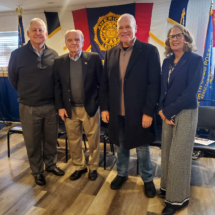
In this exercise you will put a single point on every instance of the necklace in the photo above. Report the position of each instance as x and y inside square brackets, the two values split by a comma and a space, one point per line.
[172, 66]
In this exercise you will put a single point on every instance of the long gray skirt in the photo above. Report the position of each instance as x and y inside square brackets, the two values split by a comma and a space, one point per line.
[176, 158]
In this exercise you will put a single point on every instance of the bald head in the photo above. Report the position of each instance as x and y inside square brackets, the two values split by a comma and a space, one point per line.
[127, 16]
[127, 29]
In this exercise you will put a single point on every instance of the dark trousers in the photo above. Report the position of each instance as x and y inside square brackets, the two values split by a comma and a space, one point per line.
[39, 126]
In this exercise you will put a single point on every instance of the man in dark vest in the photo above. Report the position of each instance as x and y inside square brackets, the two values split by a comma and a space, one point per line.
[128, 98]
[77, 81]
[31, 73]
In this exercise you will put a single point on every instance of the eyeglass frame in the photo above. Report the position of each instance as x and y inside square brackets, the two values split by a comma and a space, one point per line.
[178, 36]
[39, 65]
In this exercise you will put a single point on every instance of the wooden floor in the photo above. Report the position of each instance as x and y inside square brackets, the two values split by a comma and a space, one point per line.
[20, 195]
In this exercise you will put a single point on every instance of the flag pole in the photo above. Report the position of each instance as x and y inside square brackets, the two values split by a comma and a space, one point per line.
[19, 11]
[21, 41]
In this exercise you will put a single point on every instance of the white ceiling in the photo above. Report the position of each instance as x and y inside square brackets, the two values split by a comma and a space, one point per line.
[11, 5]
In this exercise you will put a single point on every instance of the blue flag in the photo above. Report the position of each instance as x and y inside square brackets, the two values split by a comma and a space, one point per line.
[21, 32]
[103, 26]
[53, 23]
[177, 12]
[206, 86]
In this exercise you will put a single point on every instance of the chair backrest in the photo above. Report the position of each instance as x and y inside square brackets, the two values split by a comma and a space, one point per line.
[206, 117]
[103, 124]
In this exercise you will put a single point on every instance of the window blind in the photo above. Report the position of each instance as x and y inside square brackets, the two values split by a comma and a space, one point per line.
[8, 43]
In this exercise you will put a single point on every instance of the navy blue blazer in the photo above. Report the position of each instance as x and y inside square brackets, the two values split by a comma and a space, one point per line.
[181, 91]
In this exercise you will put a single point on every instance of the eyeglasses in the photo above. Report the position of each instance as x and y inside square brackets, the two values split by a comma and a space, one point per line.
[178, 36]
[39, 65]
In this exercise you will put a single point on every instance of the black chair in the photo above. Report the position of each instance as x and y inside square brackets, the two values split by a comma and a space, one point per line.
[104, 139]
[206, 120]
[66, 144]
[12, 130]
[18, 129]
[84, 139]
[206, 117]
[61, 132]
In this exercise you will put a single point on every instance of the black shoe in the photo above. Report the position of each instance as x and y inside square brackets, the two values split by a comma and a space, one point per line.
[93, 175]
[77, 174]
[168, 211]
[162, 194]
[57, 171]
[150, 190]
[117, 182]
[40, 179]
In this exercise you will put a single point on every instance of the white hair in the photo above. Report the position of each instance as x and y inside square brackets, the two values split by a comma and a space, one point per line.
[39, 21]
[133, 21]
[75, 30]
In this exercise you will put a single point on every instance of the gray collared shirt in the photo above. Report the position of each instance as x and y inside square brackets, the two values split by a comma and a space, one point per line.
[76, 57]
[121, 46]
[36, 50]
[123, 63]
[76, 82]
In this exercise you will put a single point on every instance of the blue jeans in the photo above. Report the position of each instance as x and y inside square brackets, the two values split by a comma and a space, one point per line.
[143, 156]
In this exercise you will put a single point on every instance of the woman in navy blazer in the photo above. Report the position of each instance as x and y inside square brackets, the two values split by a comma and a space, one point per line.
[181, 76]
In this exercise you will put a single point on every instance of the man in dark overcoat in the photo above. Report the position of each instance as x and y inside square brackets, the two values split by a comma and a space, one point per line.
[129, 94]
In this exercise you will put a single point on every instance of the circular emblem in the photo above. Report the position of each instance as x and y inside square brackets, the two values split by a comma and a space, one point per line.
[105, 31]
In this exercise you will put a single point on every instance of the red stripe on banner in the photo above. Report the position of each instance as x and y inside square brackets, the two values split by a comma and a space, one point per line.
[143, 14]
[81, 23]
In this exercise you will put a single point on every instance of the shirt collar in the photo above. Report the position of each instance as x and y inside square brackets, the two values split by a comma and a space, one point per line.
[76, 57]
[36, 50]
[131, 46]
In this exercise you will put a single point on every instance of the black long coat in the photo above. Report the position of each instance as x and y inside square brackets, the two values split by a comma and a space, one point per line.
[141, 92]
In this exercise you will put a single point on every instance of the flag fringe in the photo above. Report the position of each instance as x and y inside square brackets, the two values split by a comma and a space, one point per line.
[155, 38]
[55, 31]
[172, 21]
[88, 49]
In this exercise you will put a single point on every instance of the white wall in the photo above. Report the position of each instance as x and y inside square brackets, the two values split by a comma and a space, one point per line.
[197, 22]
[9, 22]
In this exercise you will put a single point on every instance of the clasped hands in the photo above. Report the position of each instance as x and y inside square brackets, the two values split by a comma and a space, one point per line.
[169, 122]
[146, 120]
